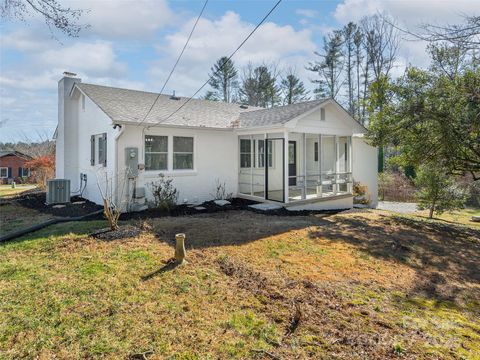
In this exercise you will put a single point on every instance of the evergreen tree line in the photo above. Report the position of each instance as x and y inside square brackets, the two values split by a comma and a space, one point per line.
[352, 58]
[263, 85]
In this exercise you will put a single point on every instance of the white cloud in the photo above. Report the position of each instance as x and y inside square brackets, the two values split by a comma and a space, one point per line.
[126, 18]
[97, 58]
[408, 14]
[215, 38]
[309, 13]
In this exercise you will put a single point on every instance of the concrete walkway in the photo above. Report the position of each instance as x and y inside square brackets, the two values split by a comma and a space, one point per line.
[400, 207]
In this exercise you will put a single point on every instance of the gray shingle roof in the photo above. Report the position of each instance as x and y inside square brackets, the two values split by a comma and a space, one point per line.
[132, 105]
[276, 115]
[126, 105]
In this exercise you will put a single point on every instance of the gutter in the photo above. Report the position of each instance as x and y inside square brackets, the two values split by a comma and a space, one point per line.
[33, 228]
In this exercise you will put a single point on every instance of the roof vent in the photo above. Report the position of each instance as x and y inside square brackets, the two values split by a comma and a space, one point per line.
[243, 106]
[173, 97]
[69, 74]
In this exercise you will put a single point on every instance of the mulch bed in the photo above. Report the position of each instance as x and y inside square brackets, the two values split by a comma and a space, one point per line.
[123, 232]
[211, 207]
[80, 207]
[37, 201]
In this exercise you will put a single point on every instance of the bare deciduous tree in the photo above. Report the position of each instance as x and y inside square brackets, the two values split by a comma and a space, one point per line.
[55, 15]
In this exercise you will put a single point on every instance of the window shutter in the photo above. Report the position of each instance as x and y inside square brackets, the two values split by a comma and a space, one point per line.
[104, 144]
[20, 172]
[92, 150]
[9, 172]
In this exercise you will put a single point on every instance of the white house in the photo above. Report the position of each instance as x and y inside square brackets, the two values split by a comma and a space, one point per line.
[304, 156]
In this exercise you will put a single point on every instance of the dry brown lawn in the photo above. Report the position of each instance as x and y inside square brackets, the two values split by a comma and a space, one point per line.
[366, 284]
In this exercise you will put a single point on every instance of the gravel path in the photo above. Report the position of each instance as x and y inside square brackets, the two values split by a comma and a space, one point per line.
[400, 207]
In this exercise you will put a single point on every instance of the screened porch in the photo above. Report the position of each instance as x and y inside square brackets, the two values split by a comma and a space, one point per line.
[294, 167]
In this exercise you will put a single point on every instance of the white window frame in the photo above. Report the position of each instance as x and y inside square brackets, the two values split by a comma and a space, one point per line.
[244, 153]
[170, 170]
[257, 153]
[6, 172]
[157, 152]
[183, 152]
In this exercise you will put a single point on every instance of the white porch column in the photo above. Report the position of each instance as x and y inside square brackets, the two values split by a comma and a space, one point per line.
[304, 190]
[285, 165]
[337, 165]
[350, 163]
[252, 159]
[320, 180]
[265, 163]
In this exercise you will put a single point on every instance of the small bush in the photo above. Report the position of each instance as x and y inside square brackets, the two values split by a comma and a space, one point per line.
[395, 186]
[221, 191]
[164, 193]
[361, 194]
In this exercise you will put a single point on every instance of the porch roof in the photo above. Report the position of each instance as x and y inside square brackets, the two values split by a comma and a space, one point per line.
[277, 115]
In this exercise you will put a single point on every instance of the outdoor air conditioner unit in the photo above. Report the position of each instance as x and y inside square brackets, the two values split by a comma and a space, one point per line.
[58, 191]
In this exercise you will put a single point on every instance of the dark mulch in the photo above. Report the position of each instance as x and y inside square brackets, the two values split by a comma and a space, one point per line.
[37, 201]
[123, 232]
[211, 207]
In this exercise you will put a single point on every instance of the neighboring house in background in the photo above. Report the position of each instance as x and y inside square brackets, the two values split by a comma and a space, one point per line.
[12, 166]
[304, 156]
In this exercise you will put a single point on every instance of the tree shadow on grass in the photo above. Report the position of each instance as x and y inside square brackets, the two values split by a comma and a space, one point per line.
[446, 258]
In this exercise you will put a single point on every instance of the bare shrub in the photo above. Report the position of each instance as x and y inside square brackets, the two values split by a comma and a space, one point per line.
[221, 191]
[164, 193]
[395, 186]
[112, 208]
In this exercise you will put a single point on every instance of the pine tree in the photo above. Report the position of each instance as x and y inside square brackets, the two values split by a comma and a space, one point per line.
[259, 86]
[293, 89]
[330, 67]
[224, 80]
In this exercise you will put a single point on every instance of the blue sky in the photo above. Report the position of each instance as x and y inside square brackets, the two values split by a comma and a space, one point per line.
[134, 43]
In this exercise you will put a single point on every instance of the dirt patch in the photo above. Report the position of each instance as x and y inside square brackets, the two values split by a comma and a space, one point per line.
[123, 232]
[37, 201]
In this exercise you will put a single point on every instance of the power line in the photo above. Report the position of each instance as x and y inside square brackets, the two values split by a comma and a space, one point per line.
[223, 64]
[176, 62]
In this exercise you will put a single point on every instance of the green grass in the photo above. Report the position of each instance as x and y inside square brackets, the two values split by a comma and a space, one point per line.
[65, 295]
[7, 190]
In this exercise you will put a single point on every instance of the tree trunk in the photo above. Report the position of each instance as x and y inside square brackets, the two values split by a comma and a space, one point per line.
[432, 208]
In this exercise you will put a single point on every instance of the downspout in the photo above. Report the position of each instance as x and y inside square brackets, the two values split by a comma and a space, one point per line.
[117, 165]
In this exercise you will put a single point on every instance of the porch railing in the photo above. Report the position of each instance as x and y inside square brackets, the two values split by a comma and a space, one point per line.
[320, 185]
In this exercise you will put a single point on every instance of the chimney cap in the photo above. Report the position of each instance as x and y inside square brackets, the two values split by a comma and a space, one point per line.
[69, 74]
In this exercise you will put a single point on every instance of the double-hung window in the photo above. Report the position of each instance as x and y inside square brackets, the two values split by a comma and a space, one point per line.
[156, 152]
[245, 153]
[182, 153]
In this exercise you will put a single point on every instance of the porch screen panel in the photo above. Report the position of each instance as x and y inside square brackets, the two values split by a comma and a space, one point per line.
[327, 154]
[343, 177]
[245, 166]
[276, 174]
[258, 165]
